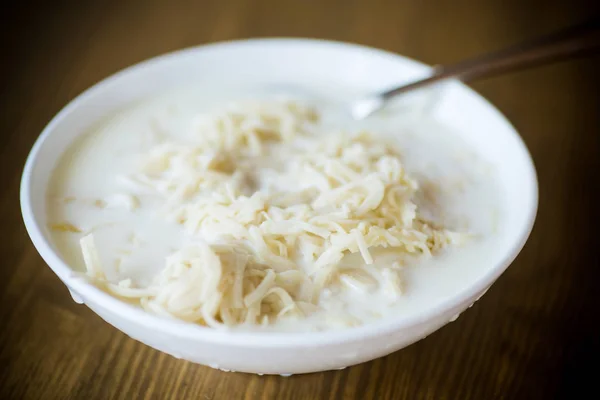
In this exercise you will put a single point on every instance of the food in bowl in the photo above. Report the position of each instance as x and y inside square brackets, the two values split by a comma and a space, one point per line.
[441, 152]
[269, 213]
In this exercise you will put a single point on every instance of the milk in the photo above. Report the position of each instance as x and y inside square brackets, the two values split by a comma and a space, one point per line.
[458, 191]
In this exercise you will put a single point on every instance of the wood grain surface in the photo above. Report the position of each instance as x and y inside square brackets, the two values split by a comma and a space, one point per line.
[534, 335]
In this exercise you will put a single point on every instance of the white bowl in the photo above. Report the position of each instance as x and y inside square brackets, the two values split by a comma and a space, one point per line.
[299, 61]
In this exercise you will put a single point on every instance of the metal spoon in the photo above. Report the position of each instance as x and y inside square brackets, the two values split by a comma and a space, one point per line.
[573, 42]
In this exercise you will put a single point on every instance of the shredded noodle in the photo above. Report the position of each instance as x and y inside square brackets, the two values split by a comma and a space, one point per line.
[274, 204]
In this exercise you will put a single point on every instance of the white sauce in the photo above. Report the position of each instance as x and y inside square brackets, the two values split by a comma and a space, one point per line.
[135, 244]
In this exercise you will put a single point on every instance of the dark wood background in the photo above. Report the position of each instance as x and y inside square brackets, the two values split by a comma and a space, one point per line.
[535, 335]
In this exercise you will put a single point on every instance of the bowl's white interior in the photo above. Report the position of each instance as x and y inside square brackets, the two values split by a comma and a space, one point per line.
[301, 62]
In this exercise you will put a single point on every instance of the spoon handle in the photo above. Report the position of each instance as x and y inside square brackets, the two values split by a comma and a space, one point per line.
[576, 41]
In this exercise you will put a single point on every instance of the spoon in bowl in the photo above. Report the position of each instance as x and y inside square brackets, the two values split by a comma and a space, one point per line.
[573, 42]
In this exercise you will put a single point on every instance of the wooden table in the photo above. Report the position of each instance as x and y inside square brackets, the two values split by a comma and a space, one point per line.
[530, 337]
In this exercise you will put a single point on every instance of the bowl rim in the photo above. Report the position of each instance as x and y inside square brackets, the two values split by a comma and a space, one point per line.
[270, 339]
